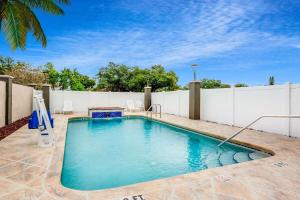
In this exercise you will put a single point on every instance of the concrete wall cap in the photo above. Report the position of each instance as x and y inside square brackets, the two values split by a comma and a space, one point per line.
[6, 76]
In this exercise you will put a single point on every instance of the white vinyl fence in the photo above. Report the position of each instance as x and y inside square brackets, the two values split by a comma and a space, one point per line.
[175, 102]
[240, 106]
[82, 100]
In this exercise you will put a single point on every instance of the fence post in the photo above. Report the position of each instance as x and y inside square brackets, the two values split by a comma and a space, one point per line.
[46, 95]
[33, 85]
[194, 100]
[8, 99]
[233, 105]
[289, 111]
[147, 97]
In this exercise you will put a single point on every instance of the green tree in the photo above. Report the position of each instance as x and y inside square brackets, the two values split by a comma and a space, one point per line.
[159, 79]
[116, 77]
[72, 79]
[211, 83]
[240, 85]
[64, 78]
[87, 82]
[17, 18]
[6, 63]
[271, 80]
[75, 81]
[24, 74]
[138, 79]
[53, 75]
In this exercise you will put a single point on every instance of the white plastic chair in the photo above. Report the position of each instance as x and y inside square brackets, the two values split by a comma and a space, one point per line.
[139, 105]
[68, 106]
[130, 106]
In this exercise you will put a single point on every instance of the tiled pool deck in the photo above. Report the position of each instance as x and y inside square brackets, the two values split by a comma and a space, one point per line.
[28, 172]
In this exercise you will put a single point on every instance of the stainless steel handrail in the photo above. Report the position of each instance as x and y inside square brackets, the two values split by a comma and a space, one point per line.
[154, 105]
[264, 116]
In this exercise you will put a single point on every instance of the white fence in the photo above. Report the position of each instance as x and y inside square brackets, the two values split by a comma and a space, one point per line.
[240, 106]
[232, 106]
[175, 102]
[83, 100]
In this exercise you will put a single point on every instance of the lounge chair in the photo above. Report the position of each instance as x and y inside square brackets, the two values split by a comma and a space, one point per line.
[139, 105]
[130, 106]
[68, 107]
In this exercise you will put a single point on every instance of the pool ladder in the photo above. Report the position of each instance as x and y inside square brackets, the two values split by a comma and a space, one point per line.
[253, 122]
[150, 109]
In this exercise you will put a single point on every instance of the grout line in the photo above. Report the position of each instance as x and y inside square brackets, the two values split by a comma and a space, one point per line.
[18, 161]
[19, 187]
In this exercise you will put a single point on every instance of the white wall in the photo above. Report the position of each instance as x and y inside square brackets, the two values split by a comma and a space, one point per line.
[295, 109]
[232, 106]
[84, 99]
[21, 101]
[240, 106]
[175, 102]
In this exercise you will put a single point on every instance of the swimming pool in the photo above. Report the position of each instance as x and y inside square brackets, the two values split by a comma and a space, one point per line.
[101, 153]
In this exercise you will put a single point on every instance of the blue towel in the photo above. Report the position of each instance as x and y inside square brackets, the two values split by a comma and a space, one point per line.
[33, 122]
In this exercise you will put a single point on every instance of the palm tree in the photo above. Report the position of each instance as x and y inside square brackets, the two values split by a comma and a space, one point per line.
[271, 80]
[17, 18]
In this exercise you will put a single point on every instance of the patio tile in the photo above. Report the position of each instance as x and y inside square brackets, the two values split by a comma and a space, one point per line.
[23, 194]
[27, 175]
[12, 169]
[7, 186]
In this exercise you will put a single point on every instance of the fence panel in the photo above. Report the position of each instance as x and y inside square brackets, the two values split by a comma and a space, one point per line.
[175, 102]
[295, 110]
[82, 100]
[253, 102]
[21, 101]
[217, 105]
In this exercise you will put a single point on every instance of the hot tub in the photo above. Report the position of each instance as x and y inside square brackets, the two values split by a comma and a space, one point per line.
[105, 112]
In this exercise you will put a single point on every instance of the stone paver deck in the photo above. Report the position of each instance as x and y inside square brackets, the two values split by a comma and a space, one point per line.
[28, 172]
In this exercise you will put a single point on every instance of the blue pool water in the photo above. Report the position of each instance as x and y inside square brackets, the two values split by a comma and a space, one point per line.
[103, 154]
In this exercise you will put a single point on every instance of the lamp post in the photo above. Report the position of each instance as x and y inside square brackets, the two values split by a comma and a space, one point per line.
[194, 67]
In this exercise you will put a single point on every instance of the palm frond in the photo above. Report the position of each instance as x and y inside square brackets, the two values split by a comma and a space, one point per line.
[13, 26]
[31, 23]
[64, 1]
[46, 5]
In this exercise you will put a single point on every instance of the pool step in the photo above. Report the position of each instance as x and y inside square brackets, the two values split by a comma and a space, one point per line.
[226, 158]
[241, 157]
[256, 155]
[213, 161]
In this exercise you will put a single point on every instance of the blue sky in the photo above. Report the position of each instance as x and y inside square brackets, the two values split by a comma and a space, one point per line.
[234, 41]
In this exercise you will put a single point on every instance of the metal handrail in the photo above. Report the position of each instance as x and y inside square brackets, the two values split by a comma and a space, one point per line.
[264, 116]
[154, 105]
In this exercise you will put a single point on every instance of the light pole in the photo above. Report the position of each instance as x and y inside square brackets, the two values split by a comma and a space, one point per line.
[194, 67]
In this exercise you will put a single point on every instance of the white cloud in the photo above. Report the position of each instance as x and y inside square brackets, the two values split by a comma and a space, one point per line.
[183, 32]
